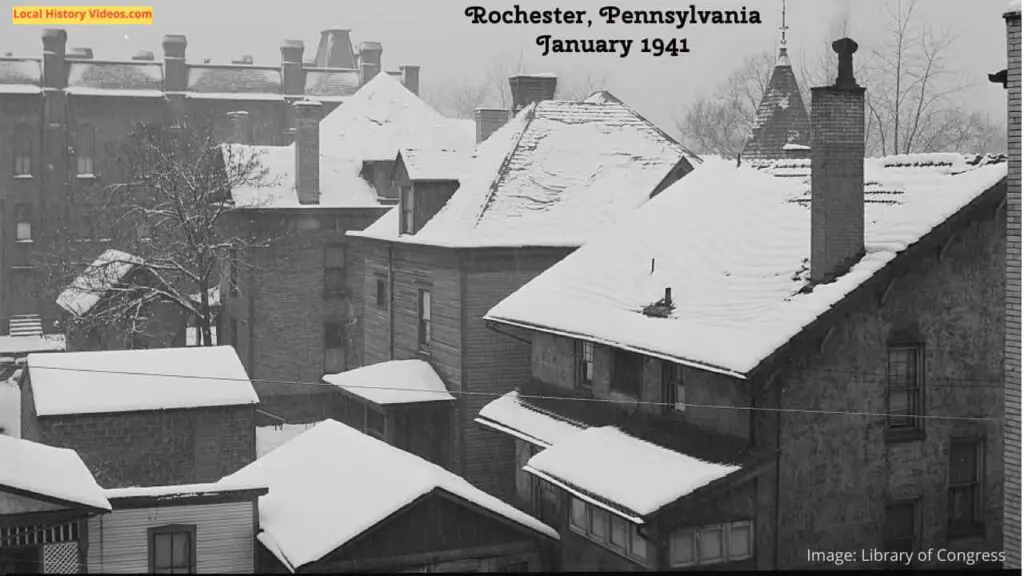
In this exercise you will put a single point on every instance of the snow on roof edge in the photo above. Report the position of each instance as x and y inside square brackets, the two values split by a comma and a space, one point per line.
[582, 495]
[268, 541]
[179, 490]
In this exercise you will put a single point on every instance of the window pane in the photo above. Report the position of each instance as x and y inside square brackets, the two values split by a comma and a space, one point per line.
[180, 551]
[618, 533]
[24, 231]
[710, 545]
[162, 550]
[681, 548]
[680, 402]
[579, 513]
[740, 541]
[426, 305]
[382, 293]
[598, 522]
[637, 544]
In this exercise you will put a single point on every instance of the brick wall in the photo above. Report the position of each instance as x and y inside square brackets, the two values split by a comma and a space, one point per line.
[156, 448]
[838, 470]
[1012, 449]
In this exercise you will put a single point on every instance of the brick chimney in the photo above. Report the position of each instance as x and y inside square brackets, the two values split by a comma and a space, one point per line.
[292, 77]
[335, 50]
[175, 69]
[530, 88]
[369, 60]
[307, 151]
[80, 53]
[55, 43]
[239, 121]
[837, 171]
[410, 78]
[488, 120]
[144, 56]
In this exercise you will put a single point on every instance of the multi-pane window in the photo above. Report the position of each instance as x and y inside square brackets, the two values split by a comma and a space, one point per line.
[172, 550]
[627, 373]
[408, 220]
[334, 269]
[382, 292]
[609, 530]
[374, 422]
[711, 544]
[23, 215]
[674, 388]
[22, 150]
[424, 319]
[901, 526]
[334, 347]
[905, 385]
[85, 150]
[966, 458]
[585, 364]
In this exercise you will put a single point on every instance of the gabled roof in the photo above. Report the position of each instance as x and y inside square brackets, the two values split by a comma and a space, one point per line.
[138, 380]
[393, 382]
[551, 176]
[99, 278]
[269, 438]
[332, 484]
[733, 244]
[53, 473]
[384, 116]
[781, 116]
[433, 163]
[636, 477]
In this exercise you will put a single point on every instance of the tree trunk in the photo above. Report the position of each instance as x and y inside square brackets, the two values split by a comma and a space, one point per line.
[203, 322]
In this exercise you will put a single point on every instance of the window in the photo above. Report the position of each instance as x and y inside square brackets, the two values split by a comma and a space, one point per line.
[905, 406]
[674, 388]
[85, 150]
[711, 544]
[382, 292]
[585, 364]
[233, 275]
[374, 422]
[627, 373]
[901, 527]
[334, 270]
[966, 457]
[545, 501]
[424, 320]
[172, 550]
[609, 530]
[23, 214]
[334, 347]
[408, 222]
[22, 150]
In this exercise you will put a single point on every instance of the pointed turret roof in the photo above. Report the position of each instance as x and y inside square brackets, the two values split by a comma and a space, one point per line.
[782, 128]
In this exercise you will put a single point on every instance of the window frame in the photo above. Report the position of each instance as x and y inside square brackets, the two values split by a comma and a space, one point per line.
[618, 358]
[915, 393]
[976, 525]
[171, 529]
[85, 149]
[632, 533]
[583, 350]
[340, 332]
[330, 289]
[672, 383]
[915, 514]
[408, 207]
[381, 297]
[424, 309]
[22, 158]
[694, 533]
[23, 214]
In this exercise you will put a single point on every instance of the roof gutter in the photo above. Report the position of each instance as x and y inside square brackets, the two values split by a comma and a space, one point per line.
[589, 499]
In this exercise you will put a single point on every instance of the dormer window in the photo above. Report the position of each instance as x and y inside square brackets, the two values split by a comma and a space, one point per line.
[407, 207]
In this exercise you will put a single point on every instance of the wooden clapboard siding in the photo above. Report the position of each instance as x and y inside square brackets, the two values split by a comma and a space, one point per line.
[376, 323]
[225, 537]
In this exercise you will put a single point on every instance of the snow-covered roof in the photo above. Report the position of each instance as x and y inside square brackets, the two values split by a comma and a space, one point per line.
[10, 408]
[551, 176]
[340, 183]
[136, 380]
[632, 474]
[29, 344]
[433, 163]
[733, 245]
[332, 483]
[180, 490]
[269, 438]
[515, 416]
[384, 116]
[393, 382]
[48, 471]
[106, 272]
[1013, 7]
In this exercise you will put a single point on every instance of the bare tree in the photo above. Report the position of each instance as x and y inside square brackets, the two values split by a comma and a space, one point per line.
[164, 227]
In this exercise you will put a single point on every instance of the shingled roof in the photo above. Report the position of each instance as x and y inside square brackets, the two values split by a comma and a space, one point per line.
[20, 76]
[782, 128]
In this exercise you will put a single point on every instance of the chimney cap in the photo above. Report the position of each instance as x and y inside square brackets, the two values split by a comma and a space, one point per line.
[370, 45]
[82, 52]
[307, 106]
[292, 43]
[55, 33]
[245, 59]
[338, 29]
[237, 114]
[174, 40]
[845, 48]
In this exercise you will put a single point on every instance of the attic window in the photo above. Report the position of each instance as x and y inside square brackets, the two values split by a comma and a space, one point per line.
[662, 308]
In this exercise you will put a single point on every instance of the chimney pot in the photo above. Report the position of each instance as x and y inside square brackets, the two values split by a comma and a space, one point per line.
[668, 295]
[307, 151]
[144, 56]
[291, 51]
[845, 48]
[239, 121]
[529, 88]
[488, 121]
[411, 78]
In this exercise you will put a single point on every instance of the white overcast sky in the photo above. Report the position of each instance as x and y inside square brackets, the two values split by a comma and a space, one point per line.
[436, 35]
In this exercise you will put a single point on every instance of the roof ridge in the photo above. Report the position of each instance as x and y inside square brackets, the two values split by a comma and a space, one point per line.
[492, 192]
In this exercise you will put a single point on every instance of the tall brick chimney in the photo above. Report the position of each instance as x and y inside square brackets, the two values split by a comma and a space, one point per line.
[175, 69]
[55, 43]
[369, 60]
[530, 88]
[488, 120]
[410, 78]
[292, 77]
[307, 151]
[239, 122]
[837, 171]
[335, 50]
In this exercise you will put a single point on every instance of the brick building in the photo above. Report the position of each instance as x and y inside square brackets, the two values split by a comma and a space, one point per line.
[530, 194]
[144, 417]
[826, 346]
[292, 309]
[59, 115]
